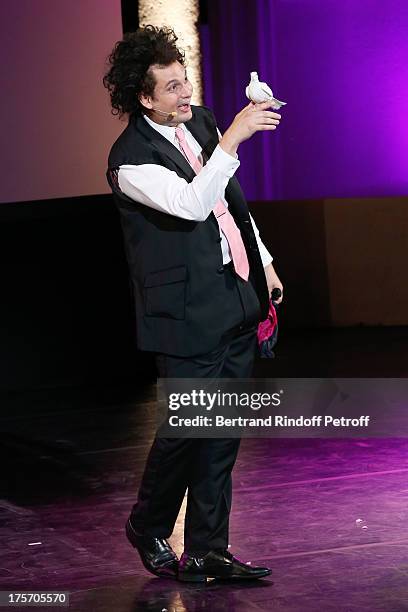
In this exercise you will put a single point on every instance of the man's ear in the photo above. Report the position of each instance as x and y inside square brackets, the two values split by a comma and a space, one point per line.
[146, 101]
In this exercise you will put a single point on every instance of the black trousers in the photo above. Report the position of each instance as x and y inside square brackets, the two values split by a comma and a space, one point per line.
[200, 466]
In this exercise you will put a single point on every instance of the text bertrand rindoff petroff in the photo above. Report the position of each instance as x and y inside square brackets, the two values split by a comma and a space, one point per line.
[254, 401]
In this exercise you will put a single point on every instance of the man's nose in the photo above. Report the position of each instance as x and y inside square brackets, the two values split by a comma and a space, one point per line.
[187, 88]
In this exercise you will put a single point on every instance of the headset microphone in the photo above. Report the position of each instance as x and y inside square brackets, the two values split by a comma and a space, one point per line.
[172, 115]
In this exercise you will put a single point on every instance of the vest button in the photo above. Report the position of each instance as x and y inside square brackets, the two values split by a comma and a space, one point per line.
[220, 270]
[219, 239]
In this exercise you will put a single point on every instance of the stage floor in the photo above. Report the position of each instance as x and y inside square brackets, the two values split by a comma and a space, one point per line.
[330, 517]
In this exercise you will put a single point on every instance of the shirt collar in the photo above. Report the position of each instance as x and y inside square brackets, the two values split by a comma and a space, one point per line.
[167, 131]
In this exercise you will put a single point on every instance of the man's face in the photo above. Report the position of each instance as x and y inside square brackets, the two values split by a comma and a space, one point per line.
[172, 92]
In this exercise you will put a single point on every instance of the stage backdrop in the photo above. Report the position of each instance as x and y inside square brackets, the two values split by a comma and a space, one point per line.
[56, 125]
[342, 68]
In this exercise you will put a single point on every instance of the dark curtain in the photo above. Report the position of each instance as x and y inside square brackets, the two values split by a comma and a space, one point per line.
[239, 39]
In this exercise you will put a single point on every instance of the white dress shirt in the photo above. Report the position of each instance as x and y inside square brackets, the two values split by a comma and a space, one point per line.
[163, 190]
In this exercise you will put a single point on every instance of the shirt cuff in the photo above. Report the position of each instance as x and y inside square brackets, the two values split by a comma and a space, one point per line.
[265, 256]
[224, 162]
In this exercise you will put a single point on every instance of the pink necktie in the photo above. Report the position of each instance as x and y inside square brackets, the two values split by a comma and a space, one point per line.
[225, 219]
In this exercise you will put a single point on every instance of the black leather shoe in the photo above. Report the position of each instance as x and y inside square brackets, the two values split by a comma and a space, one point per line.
[219, 564]
[156, 554]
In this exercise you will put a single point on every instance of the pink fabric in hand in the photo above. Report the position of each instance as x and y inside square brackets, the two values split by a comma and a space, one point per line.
[266, 328]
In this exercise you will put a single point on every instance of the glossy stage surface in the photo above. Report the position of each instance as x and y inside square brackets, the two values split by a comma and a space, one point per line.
[330, 517]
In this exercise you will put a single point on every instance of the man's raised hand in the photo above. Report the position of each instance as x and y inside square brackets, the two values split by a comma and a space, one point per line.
[252, 118]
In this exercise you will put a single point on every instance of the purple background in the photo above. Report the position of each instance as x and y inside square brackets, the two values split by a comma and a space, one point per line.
[343, 70]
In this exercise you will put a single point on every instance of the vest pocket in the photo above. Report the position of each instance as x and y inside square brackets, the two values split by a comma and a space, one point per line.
[165, 293]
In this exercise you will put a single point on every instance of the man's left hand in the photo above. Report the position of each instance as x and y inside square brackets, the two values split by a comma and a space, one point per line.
[273, 281]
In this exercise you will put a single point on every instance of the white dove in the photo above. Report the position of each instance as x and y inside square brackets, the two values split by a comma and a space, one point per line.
[257, 91]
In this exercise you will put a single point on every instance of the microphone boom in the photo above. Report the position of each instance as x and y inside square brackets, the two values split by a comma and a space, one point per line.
[173, 114]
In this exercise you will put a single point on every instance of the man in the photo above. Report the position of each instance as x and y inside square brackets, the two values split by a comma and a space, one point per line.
[201, 278]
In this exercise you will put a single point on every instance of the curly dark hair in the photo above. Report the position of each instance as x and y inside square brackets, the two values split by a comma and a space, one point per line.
[128, 75]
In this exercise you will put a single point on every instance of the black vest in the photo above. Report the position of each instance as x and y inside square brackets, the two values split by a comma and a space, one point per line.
[174, 263]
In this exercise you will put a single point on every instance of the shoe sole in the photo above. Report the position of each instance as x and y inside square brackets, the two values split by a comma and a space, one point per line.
[204, 577]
